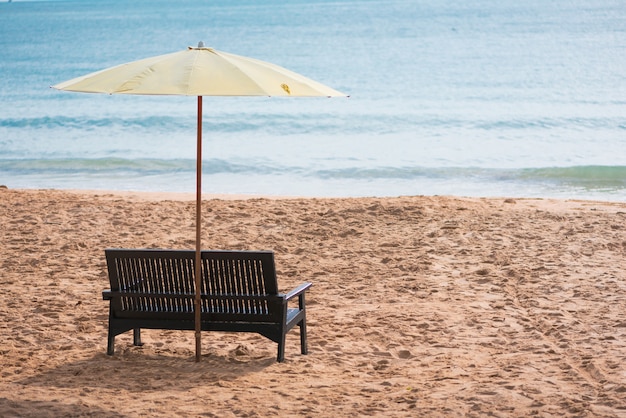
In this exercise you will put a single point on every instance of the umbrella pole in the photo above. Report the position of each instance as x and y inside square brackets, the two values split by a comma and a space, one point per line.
[197, 308]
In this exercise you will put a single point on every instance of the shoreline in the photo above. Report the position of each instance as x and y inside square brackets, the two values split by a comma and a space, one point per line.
[145, 196]
[420, 306]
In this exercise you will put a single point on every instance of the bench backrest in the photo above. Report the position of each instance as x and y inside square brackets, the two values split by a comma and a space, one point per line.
[235, 284]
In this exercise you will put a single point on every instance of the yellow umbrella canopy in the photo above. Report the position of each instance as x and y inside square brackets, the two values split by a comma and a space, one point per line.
[199, 72]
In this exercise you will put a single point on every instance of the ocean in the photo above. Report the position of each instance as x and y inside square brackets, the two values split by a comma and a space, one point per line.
[466, 98]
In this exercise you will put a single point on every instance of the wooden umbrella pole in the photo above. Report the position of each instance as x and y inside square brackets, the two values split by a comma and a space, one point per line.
[197, 305]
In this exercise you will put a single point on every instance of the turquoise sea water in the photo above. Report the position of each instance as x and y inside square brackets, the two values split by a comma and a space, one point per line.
[470, 98]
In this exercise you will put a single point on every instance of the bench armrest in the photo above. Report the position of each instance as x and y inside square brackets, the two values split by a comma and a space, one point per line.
[298, 290]
[106, 294]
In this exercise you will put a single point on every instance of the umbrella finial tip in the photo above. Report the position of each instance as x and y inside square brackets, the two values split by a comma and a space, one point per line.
[200, 44]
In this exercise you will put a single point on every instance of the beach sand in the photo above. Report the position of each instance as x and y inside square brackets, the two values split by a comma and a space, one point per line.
[421, 306]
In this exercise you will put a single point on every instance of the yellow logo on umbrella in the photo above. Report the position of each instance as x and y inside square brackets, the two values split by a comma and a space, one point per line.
[286, 88]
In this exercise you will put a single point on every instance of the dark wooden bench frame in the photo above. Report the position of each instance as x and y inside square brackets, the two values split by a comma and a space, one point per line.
[154, 289]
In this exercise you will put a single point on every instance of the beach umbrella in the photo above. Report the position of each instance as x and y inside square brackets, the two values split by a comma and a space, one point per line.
[199, 71]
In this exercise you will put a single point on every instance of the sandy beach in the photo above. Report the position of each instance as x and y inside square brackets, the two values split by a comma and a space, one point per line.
[421, 306]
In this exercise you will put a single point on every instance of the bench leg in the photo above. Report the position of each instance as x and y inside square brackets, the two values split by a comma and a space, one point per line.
[111, 335]
[281, 348]
[137, 337]
[304, 349]
[110, 343]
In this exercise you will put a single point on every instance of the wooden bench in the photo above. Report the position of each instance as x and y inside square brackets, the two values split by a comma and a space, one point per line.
[154, 289]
